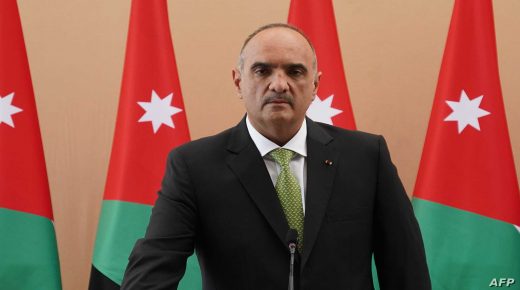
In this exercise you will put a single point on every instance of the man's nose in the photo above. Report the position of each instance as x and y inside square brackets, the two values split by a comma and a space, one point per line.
[279, 82]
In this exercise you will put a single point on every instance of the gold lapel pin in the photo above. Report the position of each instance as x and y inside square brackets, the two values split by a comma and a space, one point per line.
[328, 162]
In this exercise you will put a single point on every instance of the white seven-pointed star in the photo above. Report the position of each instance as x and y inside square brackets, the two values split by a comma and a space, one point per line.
[159, 111]
[322, 111]
[7, 110]
[466, 112]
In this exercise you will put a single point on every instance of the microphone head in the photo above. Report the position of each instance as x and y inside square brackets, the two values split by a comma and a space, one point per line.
[292, 237]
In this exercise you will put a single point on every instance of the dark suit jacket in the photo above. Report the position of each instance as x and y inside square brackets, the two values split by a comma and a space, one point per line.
[217, 197]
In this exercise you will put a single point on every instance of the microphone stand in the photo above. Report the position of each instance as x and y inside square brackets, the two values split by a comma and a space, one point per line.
[292, 240]
[292, 249]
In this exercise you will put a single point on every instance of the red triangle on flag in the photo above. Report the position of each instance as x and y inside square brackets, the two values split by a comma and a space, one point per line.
[151, 117]
[467, 160]
[23, 176]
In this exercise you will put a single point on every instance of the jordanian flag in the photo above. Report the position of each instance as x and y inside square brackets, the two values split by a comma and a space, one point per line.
[28, 251]
[466, 196]
[332, 103]
[151, 121]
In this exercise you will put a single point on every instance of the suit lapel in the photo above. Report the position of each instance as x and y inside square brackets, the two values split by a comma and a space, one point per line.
[249, 167]
[321, 168]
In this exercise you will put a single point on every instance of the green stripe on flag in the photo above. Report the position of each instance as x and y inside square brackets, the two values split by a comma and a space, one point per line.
[120, 225]
[467, 250]
[28, 252]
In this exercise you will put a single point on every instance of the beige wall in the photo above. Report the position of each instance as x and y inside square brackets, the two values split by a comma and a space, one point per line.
[392, 52]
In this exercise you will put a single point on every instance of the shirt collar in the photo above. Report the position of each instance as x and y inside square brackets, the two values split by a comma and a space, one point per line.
[298, 143]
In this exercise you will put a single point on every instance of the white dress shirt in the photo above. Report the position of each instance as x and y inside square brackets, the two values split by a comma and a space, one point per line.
[298, 165]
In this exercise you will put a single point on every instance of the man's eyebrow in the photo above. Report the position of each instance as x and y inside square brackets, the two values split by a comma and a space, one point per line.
[296, 66]
[287, 66]
[260, 64]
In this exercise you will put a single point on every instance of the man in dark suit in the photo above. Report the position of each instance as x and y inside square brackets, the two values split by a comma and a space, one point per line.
[232, 199]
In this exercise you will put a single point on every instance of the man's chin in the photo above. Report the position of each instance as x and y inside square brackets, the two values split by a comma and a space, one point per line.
[275, 106]
[280, 118]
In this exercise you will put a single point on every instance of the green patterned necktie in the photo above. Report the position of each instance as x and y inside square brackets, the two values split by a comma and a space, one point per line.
[289, 192]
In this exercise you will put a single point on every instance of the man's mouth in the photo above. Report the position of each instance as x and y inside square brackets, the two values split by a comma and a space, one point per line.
[279, 99]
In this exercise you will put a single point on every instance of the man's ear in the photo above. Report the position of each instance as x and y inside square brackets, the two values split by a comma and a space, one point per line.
[317, 82]
[237, 78]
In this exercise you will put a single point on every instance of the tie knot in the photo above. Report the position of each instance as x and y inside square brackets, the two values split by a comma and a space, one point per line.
[282, 156]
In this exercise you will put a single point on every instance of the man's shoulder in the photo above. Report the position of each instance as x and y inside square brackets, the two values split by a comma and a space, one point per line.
[353, 144]
[341, 135]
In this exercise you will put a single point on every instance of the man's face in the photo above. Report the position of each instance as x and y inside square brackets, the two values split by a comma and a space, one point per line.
[277, 79]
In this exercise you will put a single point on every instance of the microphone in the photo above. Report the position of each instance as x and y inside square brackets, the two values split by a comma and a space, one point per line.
[292, 241]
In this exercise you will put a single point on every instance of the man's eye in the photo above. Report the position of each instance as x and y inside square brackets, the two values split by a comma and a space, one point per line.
[296, 72]
[261, 71]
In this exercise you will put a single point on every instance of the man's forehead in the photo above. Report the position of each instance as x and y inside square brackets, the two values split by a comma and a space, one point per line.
[281, 35]
[277, 39]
